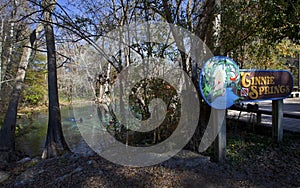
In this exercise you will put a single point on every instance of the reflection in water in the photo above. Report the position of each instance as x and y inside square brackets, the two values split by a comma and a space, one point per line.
[32, 141]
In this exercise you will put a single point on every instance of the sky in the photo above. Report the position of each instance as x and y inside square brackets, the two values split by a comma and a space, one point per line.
[64, 3]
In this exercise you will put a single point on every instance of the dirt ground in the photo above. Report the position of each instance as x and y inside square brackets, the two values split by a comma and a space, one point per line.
[252, 161]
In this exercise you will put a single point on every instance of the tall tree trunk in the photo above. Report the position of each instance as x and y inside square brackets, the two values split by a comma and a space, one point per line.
[7, 68]
[217, 28]
[12, 51]
[7, 132]
[1, 50]
[1, 53]
[55, 141]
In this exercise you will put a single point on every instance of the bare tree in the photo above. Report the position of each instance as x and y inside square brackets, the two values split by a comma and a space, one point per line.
[55, 141]
[1, 50]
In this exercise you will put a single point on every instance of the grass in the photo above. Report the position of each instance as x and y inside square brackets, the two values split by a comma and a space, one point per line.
[245, 144]
[240, 148]
[31, 163]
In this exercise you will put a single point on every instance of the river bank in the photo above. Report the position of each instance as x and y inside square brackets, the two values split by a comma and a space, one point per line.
[252, 161]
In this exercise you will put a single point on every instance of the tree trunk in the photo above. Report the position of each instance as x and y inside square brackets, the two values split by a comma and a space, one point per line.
[217, 28]
[55, 141]
[12, 52]
[1, 50]
[7, 68]
[7, 132]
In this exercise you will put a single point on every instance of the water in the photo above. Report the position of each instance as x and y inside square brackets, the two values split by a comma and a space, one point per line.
[32, 141]
[79, 123]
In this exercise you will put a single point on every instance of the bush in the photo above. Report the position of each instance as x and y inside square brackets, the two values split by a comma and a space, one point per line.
[33, 95]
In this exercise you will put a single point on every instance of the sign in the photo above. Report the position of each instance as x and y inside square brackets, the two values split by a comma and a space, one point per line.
[219, 82]
[265, 84]
[222, 84]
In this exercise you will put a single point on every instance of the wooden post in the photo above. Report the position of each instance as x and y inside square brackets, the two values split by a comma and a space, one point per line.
[298, 72]
[258, 118]
[277, 116]
[220, 141]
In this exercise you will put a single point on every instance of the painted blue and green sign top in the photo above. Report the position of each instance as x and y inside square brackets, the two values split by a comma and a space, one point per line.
[223, 84]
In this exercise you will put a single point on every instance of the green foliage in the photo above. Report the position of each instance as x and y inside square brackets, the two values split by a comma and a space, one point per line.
[35, 84]
[266, 56]
[286, 48]
[253, 30]
[19, 130]
[34, 95]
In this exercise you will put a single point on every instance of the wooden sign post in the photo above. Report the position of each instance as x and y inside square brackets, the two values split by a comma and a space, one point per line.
[219, 80]
[220, 141]
[277, 116]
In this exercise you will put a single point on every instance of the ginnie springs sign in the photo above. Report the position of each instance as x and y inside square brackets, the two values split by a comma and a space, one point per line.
[222, 84]
[265, 84]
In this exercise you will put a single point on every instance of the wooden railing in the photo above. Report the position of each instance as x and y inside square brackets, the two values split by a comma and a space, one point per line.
[258, 112]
